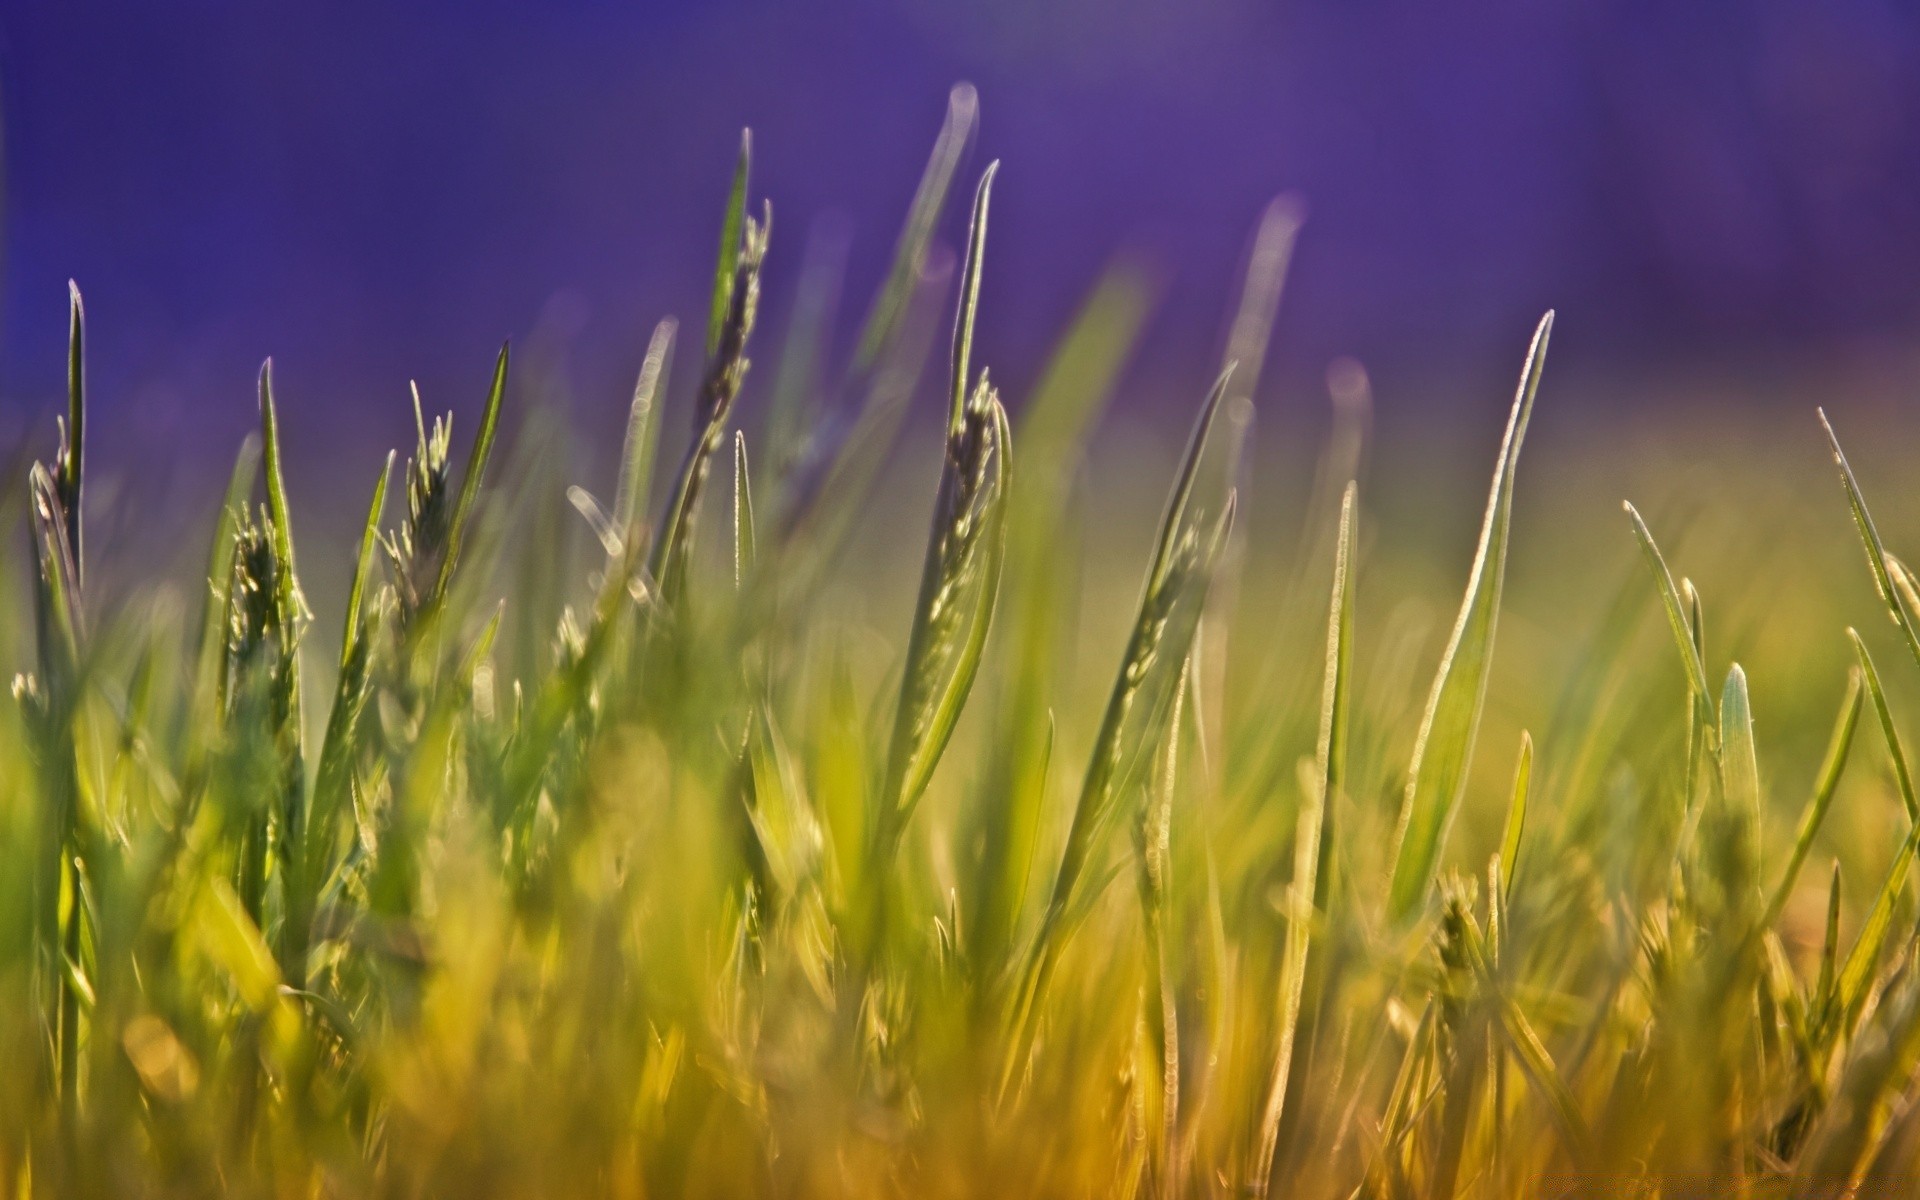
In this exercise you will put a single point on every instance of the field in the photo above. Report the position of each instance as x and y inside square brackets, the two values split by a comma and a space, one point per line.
[1144, 826]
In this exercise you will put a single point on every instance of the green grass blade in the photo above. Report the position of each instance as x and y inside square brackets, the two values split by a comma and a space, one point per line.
[742, 513]
[1903, 777]
[1516, 817]
[470, 482]
[1444, 745]
[363, 563]
[643, 431]
[962, 379]
[73, 450]
[1870, 540]
[1670, 601]
[910, 252]
[1826, 783]
[292, 607]
[729, 258]
[1864, 959]
[1740, 771]
[1313, 841]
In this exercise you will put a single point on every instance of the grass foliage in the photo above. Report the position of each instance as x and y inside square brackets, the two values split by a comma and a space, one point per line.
[716, 894]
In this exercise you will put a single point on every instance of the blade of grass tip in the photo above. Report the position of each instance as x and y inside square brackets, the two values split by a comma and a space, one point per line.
[73, 451]
[1826, 783]
[1902, 776]
[1740, 767]
[220, 568]
[742, 513]
[643, 430]
[363, 563]
[470, 482]
[1670, 601]
[1252, 328]
[910, 252]
[1312, 843]
[729, 257]
[1829, 952]
[1870, 539]
[1444, 745]
[1516, 817]
[287, 598]
[969, 299]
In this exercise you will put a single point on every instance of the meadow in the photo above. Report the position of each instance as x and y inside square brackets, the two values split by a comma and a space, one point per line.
[1117, 825]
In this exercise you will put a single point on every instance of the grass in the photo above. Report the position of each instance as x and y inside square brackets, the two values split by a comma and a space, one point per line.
[747, 880]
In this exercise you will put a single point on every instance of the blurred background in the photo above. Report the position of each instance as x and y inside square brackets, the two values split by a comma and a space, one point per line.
[1720, 198]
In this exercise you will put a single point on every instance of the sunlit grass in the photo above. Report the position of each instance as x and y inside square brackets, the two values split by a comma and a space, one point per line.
[742, 887]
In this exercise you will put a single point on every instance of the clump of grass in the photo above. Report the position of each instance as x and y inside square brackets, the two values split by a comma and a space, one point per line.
[736, 890]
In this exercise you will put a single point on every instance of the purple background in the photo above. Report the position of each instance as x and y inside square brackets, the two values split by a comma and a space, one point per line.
[374, 191]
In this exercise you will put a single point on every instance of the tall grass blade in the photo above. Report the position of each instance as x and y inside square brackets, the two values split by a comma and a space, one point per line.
[1672, 603]
[1444, 745]
[730, 245]
[1313, 841]
[1870, 539]
[470, 481]
[643, 431]
[1826, 783]
[1516, 817]
[910, 252]
[1903, 777]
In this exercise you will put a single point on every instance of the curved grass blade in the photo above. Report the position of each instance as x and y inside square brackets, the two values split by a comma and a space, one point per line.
[73, 435]
[470, 482]
[1670, 600]
[643, 431]
[1903, 777]
[1444, 745]
[1850, 990]
[742, 513]
[729, 258]
[1135, 718]
[969, 300]
[1516, 817]
[726, 369]
[910, 252]
[363, 564]
[1870, 539]
[1313, 842]
[288, 600]
[1826, 783]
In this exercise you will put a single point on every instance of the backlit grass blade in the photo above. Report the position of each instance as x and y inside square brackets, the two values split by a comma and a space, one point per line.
[742, 513]
[1903, 777]
[1444, 745]
[910, 252]
[1670, 601]
[962, 379]
[729, 257]
[363, 563]
[240, 484]
[643, 430]
[1516, 817]
[71, 476]
[1313, 841]
[1850, 990]
[1740, 767]
[471, 480]
[1135, 718]
[1870, 540]
[287, 597]
[1826, 783]
[737, 301]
